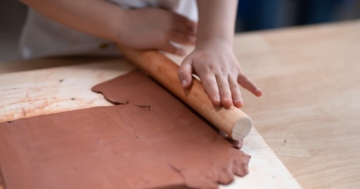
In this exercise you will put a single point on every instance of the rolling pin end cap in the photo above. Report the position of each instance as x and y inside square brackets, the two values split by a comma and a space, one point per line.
[241, 128]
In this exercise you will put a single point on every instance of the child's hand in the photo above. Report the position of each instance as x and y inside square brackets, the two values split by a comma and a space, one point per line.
[220, 74]
[153, 28]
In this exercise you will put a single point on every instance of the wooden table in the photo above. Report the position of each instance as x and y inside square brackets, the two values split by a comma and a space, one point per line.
[310, 113]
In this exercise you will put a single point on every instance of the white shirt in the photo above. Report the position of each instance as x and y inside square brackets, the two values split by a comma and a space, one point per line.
[42, 36]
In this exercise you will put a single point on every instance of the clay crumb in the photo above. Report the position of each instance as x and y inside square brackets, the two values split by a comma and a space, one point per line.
[284, 141]
[61, 80]
[73, 98]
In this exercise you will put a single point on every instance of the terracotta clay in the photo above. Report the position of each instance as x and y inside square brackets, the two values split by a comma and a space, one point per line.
[150, 140]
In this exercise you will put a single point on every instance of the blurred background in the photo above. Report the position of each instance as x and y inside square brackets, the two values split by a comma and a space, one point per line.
[268, 14]
[252, 15]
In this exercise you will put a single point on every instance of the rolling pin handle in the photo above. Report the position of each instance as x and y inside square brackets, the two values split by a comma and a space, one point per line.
[241, 128]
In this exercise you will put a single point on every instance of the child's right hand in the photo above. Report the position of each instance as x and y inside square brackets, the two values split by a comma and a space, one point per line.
[154, 28]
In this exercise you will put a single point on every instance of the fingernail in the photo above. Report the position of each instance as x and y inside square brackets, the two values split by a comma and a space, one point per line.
[259, 91]
[183, 82]
[217, 98]
[237, 100]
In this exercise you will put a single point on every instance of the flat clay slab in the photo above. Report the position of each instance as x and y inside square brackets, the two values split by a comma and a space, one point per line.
[149, 140]
[38, 92]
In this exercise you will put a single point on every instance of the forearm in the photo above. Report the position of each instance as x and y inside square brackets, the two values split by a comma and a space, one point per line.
[216, 21]
[96, 17]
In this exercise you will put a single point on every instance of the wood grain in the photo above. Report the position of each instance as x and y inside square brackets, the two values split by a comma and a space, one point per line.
[310, 113]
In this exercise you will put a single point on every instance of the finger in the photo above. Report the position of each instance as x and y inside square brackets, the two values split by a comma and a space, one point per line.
[181, 27]
[246, 82]
[224, 90]
[167, 47]
[190, 25]
[235, 92]
[182, 38]
[185, 72]
[209, 82]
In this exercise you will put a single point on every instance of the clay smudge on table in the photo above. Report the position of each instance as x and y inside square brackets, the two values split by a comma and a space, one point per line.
[150, 140]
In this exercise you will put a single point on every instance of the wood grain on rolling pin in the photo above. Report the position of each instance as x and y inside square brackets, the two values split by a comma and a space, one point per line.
[232, 121]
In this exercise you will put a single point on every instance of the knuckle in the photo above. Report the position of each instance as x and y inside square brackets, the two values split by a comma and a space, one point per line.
[211, 83]
[223, 70]
[217, 70]
[223, 85]
[234, 72]
[181, 71]
[207, 70]
[234, 87]
[242, 78]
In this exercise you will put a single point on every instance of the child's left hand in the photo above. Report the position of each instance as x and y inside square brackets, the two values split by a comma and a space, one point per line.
[220, 74]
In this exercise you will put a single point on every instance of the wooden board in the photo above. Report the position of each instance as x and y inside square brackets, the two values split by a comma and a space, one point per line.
[26, 94]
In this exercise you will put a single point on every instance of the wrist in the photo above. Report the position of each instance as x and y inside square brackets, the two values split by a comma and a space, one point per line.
[117, 26]
[213, 42]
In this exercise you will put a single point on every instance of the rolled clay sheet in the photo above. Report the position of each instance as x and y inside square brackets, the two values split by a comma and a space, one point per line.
[149, 140]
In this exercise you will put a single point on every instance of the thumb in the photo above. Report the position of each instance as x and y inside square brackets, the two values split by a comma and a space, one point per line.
[185, 72]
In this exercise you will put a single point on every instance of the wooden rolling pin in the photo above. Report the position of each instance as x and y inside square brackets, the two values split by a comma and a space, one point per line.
[231, 121]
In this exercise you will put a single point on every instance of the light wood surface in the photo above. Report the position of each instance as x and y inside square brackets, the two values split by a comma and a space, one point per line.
[51, 90]
[310, 112]
[232, 121]
[40, 63]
